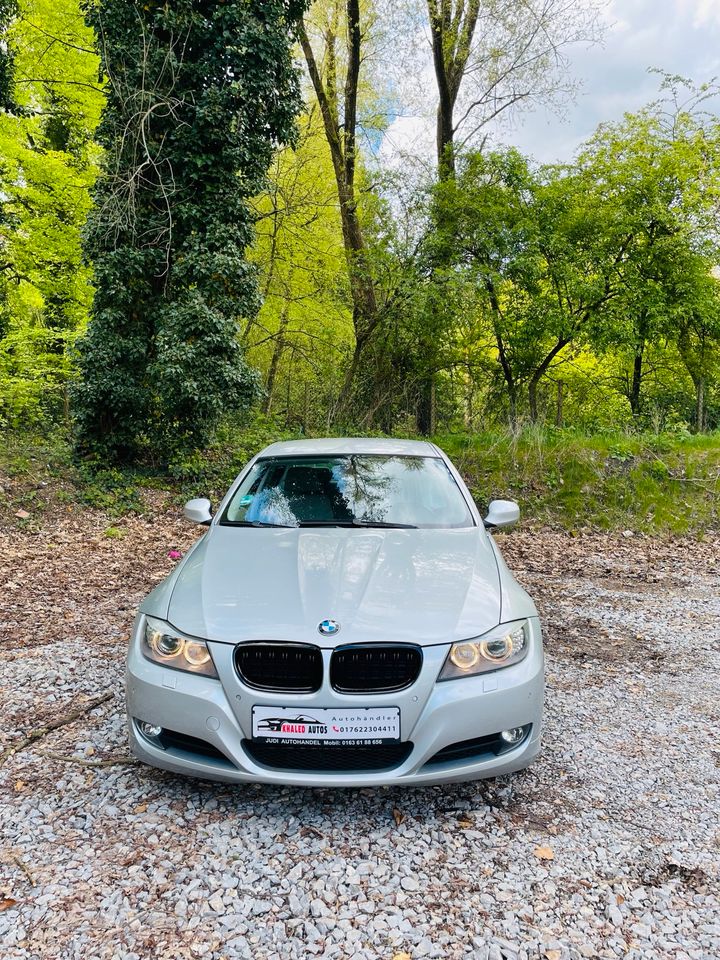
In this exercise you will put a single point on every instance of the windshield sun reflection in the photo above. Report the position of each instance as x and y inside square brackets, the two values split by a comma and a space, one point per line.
[352, 490]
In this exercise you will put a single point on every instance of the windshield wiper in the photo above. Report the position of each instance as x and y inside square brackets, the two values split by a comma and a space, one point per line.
[326, 523]
[261, 523]
[385, 524]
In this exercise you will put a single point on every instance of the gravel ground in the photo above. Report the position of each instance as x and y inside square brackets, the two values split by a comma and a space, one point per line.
[609, 846]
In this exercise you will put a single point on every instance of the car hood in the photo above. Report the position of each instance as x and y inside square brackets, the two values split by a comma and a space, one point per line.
[421, 586]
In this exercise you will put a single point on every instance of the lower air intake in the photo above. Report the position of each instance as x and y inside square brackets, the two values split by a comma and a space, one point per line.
[476, 749]
[324, 759]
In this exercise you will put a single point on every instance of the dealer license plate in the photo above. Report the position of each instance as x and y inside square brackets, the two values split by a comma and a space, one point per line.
[326, 725]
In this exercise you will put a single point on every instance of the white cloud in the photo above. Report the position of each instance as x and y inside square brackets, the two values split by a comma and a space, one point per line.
[409, 139]
[702, 11]
[678, 36]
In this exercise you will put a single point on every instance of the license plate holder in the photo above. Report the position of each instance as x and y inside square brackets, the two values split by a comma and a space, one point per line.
[326, 726]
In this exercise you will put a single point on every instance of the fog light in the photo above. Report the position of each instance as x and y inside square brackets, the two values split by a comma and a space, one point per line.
[513, 735]
[150, 729]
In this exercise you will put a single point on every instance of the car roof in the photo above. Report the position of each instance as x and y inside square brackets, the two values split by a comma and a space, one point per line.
[344, 445]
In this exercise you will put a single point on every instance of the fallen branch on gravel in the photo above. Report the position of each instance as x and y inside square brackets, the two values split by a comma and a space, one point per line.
[60, 722]
[25, 869]
[110, 762]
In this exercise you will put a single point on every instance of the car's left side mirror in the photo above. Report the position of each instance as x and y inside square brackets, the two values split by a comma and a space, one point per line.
[502, 513]
[198, 511]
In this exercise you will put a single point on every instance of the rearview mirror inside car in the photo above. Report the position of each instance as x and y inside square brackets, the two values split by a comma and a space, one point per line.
[198, 511]
[502, 513]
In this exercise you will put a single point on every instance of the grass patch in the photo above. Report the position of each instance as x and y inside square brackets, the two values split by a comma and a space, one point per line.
[654, 484]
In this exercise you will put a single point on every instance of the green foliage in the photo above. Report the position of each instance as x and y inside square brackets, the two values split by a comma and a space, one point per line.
[47, 165]
[656, 178]
[581, 294]
[112, 490]
[532, 252]
[198, 96]
[602, 271]
[303, 332]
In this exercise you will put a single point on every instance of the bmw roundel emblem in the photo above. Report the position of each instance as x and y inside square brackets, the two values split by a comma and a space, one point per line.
[328, 628]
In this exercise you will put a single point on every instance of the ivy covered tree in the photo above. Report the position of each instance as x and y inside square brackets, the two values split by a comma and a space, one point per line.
[199, 94]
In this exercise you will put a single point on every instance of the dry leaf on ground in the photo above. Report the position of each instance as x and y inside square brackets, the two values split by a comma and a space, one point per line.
[544, 853]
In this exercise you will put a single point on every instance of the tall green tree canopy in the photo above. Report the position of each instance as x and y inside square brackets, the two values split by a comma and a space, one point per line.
[50, 102]
[199, 94]
[490, 287]
[656, 174]
[613, 254]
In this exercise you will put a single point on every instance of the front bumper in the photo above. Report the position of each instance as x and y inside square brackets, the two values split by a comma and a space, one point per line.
[433, 716]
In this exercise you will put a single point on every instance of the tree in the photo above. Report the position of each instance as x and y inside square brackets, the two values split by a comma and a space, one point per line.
[336, 84]
[532, 250]
[698, 342]
[198, 96]
[657, 175]
[51, 105]
[304, 329]
[493, 56]
[8, 13]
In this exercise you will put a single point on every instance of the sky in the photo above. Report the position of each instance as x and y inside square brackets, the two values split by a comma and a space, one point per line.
[677, 36]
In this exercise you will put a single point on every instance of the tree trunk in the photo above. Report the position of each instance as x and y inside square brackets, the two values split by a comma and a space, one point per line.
[451, 37]
[532, 400]
[342, 403]
[425, 417]
[445, 132]
[341, 138]
[505, 364]
[694, 358]
[636, 385]
[275, 361]
[540, 372]
[700, 405]
[559, 404]
[452, 33]
[513, 402]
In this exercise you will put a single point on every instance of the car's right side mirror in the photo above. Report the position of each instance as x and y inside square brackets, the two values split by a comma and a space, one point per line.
[198, 511]
[502, 513]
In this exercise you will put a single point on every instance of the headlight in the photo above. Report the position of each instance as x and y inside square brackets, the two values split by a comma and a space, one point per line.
[163, 644]
[503, 646]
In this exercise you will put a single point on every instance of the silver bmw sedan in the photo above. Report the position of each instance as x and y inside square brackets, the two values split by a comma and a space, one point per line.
[346, 620]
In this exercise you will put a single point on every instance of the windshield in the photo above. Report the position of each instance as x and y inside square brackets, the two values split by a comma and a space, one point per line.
[353, 490]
